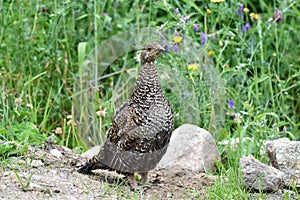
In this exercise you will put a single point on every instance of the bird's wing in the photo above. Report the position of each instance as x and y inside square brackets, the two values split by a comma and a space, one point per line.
[125, 126]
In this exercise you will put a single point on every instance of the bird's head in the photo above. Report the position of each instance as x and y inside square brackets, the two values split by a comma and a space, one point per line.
[150, 52]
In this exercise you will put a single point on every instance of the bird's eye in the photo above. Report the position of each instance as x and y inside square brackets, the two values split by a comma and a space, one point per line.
[149, 49]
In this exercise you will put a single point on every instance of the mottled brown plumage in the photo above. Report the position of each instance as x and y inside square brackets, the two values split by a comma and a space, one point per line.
[141, 129]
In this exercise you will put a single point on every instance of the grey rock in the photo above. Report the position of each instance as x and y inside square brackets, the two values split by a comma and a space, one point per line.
[259, 176]
[191, 148]
[56, 153]
[34, 163]
[285, 156]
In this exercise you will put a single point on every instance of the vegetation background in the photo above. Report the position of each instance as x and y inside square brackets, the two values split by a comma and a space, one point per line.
[255, 46]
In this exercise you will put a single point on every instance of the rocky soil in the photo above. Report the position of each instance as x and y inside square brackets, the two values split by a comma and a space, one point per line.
[40, 174]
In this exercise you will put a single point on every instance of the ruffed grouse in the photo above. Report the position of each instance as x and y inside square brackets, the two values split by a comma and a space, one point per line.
[141, 129]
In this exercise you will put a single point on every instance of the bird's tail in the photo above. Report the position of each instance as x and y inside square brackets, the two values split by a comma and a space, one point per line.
[92, 164]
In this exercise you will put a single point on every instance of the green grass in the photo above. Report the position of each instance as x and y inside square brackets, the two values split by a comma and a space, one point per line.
[43, 44]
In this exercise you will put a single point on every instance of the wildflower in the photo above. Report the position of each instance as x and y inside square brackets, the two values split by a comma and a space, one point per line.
[254, 16]
[29, 106]
[208, 11]
[70, 122]
[177, 11]
[277, 17]
[176, 48]
[245, 28]
[210, 52]
[232, 37]
[177, 39]
[230, 103]
[203, 38]
[18, 101]
[58, 130]
[246, 10]
[240, 11]
[183, 19]
[274, 54]
[69, 116]
[196, 28]
[237, 117]
[101, 113]
[167, 47]
[214, 36]
[104, 14]
[192, 67]
[216, 1]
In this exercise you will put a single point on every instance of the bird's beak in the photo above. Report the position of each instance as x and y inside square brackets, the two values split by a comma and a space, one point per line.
[161, 48]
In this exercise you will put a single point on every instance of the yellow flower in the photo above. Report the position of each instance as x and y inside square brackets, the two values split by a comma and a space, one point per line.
[274, 54]
[210, 52]
[246, 10]
[232, 37]
[192, 67]
[217, 1]
[177, 39]
[254, 16]
[208, 11]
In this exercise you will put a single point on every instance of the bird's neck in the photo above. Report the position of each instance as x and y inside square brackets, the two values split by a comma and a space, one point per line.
[147, 84]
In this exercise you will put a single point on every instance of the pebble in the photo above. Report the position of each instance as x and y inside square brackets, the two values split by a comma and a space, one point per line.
[5, 174]
[34, 163]
[2, 187]
[56, 153]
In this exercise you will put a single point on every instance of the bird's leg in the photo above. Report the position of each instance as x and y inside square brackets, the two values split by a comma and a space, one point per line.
[132, 181]
[144, 177]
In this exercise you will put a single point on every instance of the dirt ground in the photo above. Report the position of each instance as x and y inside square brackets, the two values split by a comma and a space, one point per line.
[42, 175]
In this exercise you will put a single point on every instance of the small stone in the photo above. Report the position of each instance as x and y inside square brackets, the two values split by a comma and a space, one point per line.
[5, 174]
[259, 176]
[36, 177]
[34, 163]
[35, 187]
[21, 162]
[56, 153]
[56, 190]
[2, 187]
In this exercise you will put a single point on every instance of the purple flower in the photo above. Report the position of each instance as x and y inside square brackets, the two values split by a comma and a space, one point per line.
[104, 14]
[183, 19]
[196, 28]
[230, 103]
[240, 11]
[245, 27]
[177, 11]
[167, 47]
[214, 36]
[176, 48]
[203, 38]
[277, 16]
